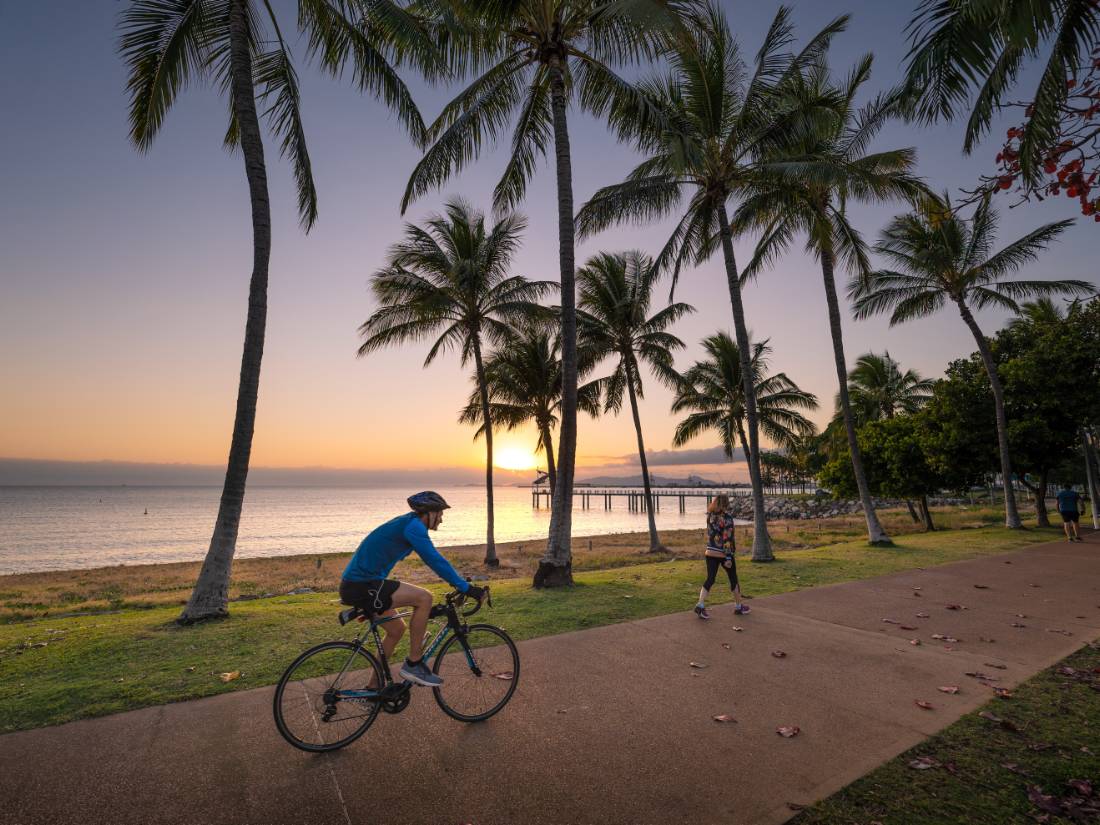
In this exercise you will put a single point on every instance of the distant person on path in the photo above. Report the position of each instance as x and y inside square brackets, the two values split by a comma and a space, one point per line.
[719, 553]
[1069, 506]
[365, 584]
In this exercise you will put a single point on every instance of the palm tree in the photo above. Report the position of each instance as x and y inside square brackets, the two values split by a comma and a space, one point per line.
[805, 189]
[615, 294]
[939, 257]
[713, 390]
[877, 388]
[713, 122]
[452, 279]
[167, 44]
[963, 46]
[538, 56]
[524, 379]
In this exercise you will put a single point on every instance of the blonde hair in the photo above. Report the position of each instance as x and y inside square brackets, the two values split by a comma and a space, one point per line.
[720, 504]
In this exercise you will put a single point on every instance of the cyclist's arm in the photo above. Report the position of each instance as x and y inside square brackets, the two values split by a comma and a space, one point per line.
[417, 534]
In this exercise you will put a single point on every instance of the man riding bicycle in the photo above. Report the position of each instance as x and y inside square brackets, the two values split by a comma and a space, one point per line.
[365, 584]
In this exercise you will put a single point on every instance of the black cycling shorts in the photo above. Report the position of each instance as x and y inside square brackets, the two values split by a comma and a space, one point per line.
[373, 595]
[1070, 515]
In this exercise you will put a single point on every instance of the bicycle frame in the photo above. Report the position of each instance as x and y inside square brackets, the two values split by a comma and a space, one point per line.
[452, 625]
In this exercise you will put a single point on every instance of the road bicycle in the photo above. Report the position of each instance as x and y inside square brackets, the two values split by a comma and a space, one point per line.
[332, 693]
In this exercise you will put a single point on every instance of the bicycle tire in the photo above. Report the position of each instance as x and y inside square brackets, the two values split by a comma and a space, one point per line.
[298, 666]
[505, 660]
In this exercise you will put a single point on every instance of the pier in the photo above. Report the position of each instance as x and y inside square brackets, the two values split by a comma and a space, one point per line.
[635, 497]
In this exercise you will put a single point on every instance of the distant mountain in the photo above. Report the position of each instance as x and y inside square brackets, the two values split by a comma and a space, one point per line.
[655, 480]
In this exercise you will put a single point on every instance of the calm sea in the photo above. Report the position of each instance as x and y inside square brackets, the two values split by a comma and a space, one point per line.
[62, 528]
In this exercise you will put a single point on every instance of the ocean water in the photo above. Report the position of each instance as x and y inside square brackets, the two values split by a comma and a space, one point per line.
[63, 528]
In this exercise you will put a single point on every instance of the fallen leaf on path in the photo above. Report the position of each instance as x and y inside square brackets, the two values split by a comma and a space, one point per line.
[915, 642]
[918, 595]
[939, 637]
[977, 674]
[985, 639]
[890, 621]
[794, 806]
[779, 654]
[923, 763]
[1018, 624]
[1002, 693]
[920, 703]
[726, 645]
[992, 664]
[1033, 585]
[724, 717]
[230, 676]
[699, 665]
[917, 588]
[563, 710]
[981, 587]
[504, 676]
[922, 615]
[736, 629]
[1063, 632]
[952, 689]
[954, 607]
[907, 627]
[787, 731]
[1021, 615]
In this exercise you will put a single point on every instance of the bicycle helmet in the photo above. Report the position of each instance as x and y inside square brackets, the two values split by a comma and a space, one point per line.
[428, 501]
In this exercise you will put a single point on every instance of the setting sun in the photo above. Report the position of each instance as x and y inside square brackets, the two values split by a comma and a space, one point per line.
[515, 458]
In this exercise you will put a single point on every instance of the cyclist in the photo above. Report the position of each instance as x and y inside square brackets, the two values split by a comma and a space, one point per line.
[365, 584]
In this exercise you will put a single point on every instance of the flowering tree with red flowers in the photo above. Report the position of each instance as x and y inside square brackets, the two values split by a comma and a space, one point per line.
[1069, 168]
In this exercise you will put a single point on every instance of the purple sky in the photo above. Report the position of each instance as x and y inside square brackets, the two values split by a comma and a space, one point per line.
[125, 275]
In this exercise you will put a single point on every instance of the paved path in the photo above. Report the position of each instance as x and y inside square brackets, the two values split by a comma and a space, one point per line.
[608, 725]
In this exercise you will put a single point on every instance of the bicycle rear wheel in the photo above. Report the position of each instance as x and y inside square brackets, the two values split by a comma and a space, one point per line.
[480, 671]
[309, 712]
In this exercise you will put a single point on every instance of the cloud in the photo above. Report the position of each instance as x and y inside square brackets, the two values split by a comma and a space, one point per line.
[682, 458]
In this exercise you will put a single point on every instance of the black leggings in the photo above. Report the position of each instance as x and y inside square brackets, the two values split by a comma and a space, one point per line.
[713, 564]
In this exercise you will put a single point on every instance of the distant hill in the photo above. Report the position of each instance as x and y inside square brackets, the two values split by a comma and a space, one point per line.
[656, 480]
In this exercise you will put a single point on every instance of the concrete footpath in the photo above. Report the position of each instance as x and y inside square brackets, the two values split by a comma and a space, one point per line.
[608, 725]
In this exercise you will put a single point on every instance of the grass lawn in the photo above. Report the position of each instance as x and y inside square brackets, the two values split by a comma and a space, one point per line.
[54, 670]
[1019, 770]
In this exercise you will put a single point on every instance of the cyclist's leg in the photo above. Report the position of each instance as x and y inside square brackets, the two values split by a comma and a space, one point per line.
[420, 600]
[392, 631]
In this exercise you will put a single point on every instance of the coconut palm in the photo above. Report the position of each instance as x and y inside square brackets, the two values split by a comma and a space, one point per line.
[537, 57]
[960, 47]
[524, 378]
[714, 120]
[940, 256]
[713, 390]
[238, 47]
[615, 294]
[451, 280]
[804, 190]
[877, 388]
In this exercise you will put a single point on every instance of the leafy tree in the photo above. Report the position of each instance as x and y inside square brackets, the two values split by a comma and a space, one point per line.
[940, 256]
[805, 190]
[702, 126]
[970, 54]
[238, 47]
[523, 375]
[615, 293]
[713, 391]
[452, 279]
[535, 57]
[877, 388]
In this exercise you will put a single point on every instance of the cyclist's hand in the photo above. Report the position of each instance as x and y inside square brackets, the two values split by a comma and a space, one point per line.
[475, 592]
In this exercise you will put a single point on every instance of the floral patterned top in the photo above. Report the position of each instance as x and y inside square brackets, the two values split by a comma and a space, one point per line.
[720, 532]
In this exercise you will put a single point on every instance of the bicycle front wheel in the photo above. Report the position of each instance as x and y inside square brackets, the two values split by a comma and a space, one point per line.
[310, 712]
[480, 670]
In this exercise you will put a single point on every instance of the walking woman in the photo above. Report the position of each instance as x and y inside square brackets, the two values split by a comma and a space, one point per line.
[719, 553]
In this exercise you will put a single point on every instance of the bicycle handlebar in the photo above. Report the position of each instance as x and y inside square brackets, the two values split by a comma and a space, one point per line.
[458, 599]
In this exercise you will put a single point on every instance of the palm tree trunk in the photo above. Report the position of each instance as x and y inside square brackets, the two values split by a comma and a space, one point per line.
[556, 566]
[1090, 475]
[548, 445]
[926, 514]
[1012, 516]
[762, 542]
[490, 543]
[875, 533]
[210, 598]
[655, 545]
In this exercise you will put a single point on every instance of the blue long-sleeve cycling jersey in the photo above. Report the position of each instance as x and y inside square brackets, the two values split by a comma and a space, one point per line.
[386, 545]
